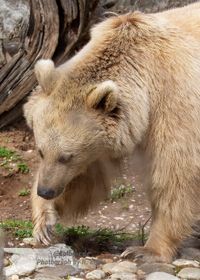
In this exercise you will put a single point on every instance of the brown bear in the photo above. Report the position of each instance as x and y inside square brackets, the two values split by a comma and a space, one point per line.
[134, 86]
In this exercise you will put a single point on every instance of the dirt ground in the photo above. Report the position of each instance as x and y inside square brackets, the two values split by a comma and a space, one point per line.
[128, 212]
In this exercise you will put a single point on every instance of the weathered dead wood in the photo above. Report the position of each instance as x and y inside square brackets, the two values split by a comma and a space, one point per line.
[54, 31]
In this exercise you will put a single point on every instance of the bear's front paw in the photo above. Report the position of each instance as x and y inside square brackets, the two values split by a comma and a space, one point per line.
[142, 255]
[44, 228]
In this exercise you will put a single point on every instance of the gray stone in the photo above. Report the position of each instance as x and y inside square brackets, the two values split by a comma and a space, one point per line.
[59, 254]
[190, 253]
[21, 265]
[19, 251]
[59, 271]
[107, 268]
[47, 277]
[95, 274]
[88, 263]
[157, 267]
[161, 276]
[74, 278]
[185, 263]
[29, 241]
[190, 273]
[125, 266]
[26, 260]
[123, 276]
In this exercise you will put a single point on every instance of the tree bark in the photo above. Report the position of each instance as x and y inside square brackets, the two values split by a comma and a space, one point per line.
[54, 29]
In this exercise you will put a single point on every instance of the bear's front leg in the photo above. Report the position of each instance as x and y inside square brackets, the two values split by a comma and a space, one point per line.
[44, 217]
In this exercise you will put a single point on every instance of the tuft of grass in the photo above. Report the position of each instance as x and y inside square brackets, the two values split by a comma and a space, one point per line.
[18, 228]
[23, 167]
[120, 191]
[87, 241]
[9, 160]
[24, 192]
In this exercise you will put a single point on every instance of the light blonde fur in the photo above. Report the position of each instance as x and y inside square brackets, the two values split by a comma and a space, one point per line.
[153, 101]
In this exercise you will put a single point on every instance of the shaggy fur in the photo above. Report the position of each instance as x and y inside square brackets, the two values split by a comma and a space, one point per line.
[135, 84]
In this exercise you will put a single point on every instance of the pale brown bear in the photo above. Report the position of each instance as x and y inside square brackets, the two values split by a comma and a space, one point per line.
[135, 85]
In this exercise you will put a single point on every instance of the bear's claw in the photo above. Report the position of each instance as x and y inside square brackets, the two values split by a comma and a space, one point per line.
[43, 230]
[141, 255]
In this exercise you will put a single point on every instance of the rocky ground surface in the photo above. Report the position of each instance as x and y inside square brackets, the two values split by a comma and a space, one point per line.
[58, 262]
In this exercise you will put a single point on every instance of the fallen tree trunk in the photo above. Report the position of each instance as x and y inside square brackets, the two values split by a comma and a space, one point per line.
[44, 29]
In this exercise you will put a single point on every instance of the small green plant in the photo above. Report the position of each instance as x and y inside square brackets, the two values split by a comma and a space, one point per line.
[86, 241]
[120, 191]
[11, 161]
[19, 228]
[23, 168]
[24, 192]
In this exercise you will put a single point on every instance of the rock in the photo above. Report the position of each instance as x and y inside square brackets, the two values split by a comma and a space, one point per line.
[59, 271]
[161, 276]
[21, 265]
[6, 262]
[19, 251]
[107, 268]
[190, 253]
[123, 276]
[15, 277]
[157, 267]
[47, 277]
[29, 241]
[95, 274]
[26, 260]
[74, 278]
[125, 266]
[189, 273]
[88, 263]
[185, 263]
[59, 254]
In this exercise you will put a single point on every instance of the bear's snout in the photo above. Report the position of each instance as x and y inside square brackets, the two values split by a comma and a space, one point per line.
[46, 193]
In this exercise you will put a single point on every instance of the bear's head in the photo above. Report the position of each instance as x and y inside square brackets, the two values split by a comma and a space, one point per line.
[70, 126]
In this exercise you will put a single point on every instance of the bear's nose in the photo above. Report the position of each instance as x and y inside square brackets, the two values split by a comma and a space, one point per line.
[46, 193]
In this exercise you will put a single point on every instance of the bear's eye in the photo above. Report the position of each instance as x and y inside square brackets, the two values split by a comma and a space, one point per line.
[65, 159]
[40, 153]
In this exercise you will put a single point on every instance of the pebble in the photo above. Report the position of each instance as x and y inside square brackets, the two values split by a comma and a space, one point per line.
[29, 241]
[58, 270]
[157, 267]
[125, 266]
[95, 274]
[123, 276]
[107, 268]
[189, 273]
[88, 263]
[161, 276]
[47, 277]
[185, 263]
[23, 265]
[14, 277]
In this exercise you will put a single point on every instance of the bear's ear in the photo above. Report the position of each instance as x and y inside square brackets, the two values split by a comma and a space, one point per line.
[104, 97]
[46, 74]
[29, 107]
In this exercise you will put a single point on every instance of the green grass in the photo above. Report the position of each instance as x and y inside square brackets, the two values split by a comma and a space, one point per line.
[18, 228]
[82, 239]
[120, 191]
[23, 168]
[9, 157]
[24, 192]
[87, 241]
